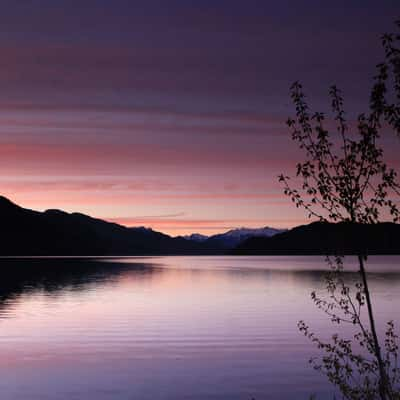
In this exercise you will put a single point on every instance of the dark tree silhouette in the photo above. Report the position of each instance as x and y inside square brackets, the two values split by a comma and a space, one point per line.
[345, 178]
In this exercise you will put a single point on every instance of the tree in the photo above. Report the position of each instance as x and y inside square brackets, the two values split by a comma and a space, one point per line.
[345, 178]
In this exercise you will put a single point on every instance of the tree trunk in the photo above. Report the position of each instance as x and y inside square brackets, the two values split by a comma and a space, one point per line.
[383, 382]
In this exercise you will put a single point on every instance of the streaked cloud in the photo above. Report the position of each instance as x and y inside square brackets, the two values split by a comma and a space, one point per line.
[135, 113]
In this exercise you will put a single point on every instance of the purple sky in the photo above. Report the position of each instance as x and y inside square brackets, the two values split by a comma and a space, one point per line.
[171, 114]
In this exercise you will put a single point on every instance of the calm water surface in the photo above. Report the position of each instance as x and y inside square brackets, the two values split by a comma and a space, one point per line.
[168, 327]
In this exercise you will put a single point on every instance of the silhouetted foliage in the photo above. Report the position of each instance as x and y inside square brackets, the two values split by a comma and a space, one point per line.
[385, 95]
[352, 364]
[345, 179]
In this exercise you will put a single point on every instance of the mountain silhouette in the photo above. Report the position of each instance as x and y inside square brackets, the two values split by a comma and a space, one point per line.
[229, 240]
[327, 238]
[57, 233]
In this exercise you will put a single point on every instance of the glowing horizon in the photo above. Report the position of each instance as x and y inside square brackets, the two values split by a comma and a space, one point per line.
[171, 118]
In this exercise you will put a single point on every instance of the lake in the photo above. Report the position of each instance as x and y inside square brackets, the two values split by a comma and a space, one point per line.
[153, 328]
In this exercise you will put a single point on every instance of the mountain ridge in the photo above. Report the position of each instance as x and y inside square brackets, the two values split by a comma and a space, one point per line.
[53, 232]
[28, 232]
[229, 240]
[323, 238]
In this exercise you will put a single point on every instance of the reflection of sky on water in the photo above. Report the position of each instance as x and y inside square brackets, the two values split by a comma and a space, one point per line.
[166, 327]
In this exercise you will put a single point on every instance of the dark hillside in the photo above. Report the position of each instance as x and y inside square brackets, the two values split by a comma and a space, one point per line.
[326, 238]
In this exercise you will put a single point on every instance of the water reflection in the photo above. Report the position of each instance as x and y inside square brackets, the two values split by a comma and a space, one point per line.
[52, 277]
[166, 327]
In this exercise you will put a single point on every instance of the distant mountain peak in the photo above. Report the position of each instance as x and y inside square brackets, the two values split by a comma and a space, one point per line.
[231, 238]
[196, 237]
[322, 238]
[243, 231]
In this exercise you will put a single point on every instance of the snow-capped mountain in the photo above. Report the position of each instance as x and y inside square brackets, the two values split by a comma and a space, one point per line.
[247, 232]
[196, 237]
[232, 238]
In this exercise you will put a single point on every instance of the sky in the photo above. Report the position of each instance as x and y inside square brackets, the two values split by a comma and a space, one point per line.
[171, 114]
